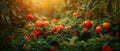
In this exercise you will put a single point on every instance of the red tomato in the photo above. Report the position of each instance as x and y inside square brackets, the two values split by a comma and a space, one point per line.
[107, 48]
[98, 29]
[58, 28]
[44, 18]
[87, 24]
[45, 23]
[36, 33]
[30, 17]
[107, 25]
[39, 23]
[76, 14]
[54, 29]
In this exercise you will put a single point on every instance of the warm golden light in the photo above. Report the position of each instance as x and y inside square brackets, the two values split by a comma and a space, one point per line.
[45, 4]
[46, 7]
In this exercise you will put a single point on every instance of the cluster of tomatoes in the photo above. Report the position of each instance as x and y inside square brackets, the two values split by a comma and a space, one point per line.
[87, 24]
[98, 29]
[37, 31]
[106, 25]
[58, 28]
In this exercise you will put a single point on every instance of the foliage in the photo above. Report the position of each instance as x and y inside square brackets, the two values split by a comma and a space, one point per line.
[21, 32]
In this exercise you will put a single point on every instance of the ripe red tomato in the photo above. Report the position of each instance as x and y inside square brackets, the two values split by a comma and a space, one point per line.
[107, 25]
[54, 29]
[39, 23]
[87, 24]
[45, 23]
[76, 14]
[44, 18]
[30, 17]
[98, 29]
[53, 48]
[37, 33]
[107, 48]
[58, 28]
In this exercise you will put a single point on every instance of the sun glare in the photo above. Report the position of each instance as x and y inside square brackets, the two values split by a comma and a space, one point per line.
[45, 4]
[44, 7]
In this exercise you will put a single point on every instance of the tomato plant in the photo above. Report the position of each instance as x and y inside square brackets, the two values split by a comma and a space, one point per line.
[59, 25]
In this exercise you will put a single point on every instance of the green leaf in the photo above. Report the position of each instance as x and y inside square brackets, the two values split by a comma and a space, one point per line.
[64, 43]
[73, 38]
[81, 43]
[92, 41]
